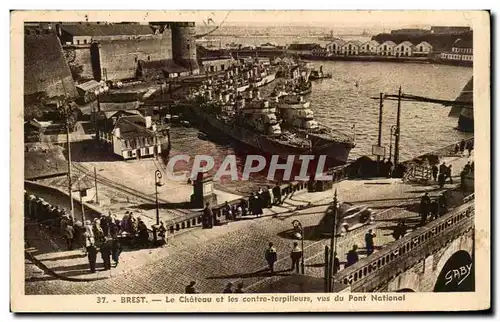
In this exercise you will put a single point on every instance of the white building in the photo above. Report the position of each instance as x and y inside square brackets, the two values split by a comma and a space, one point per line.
[461, 51]
[386, 48]
[129, 135]
[369, 47]
[422, 49]
[335, 47]
[351, 48]
[404, 49]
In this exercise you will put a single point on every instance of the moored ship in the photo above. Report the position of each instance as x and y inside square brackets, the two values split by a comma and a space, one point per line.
[256, 122]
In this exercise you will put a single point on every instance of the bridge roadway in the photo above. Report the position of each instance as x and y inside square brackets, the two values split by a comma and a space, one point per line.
[234, 252]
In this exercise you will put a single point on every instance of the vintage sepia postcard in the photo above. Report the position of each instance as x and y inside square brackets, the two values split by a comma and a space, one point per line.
[250, 161]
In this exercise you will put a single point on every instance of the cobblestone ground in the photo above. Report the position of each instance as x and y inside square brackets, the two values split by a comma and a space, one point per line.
[235, 251]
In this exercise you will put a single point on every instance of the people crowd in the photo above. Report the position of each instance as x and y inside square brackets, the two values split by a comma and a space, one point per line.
[253, 206]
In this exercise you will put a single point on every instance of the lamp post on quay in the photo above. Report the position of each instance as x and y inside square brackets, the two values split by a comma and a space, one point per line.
[333, 244]
[158, 183]
[298, 225]
[393, 133]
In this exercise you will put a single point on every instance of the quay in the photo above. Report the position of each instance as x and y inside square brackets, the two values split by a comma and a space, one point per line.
[232, 252]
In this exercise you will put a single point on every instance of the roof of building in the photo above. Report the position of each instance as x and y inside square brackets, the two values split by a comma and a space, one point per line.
[340, 41]
[388, 42]
[107, 30]
[89, 85]
[463, 43]
[372, 42]
[353, 42]
[406, 43]
[130, 130]
[120, 113]
[425, 43]
[118, 106]
[302, 46]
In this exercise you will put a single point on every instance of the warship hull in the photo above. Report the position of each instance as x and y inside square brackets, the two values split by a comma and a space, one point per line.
[336, 152]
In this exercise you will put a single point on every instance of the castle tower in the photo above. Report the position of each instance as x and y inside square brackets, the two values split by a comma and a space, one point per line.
[184, 46]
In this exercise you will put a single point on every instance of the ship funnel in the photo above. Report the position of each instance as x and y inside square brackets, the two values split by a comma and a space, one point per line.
[250, 94]
[301, 98]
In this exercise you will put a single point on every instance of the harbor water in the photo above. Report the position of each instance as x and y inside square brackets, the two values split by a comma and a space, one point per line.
[346, 100]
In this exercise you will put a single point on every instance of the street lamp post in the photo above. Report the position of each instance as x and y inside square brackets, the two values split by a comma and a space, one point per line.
[158, 183]
[298, 225]
[333, 243]
[393, 132]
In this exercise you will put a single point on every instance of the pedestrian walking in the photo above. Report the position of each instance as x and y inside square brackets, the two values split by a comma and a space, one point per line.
[457, 148]
[295, 255]
[226, 210]
[448, 173]
[425, 202]
[462, 147]
[116, 250]
[92, 257]
[336, 263]
[389, 167]
[442, 168]
[207, 216]
[441, 180]
[469, 147]
[69, 236]
[435, 172]
[266, 194]
[106, 250]
[239, 288]
[369, 242]
[143, 232]
[258, 205]
[271, 257]
[228, 288]
[462, 179]
[277, 195]
[352, 256]
[400, 230]
[162, 233]
[190, 288]
[467, 168]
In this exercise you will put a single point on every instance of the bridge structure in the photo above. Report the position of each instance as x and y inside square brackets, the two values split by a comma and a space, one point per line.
[437, 257]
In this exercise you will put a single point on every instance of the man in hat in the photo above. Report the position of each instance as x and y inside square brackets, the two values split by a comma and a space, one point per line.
[271, 257]
[106, 250]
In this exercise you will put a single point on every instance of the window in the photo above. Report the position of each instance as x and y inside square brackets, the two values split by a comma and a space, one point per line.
[149, 58]
[77, 41]
[83, 193]
[135, 59]
[85, 41]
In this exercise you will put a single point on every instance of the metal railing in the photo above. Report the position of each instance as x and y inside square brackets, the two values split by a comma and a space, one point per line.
[367, 274]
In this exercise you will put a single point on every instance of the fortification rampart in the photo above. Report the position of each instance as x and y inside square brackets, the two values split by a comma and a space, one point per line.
[45, 67]
[118, 59]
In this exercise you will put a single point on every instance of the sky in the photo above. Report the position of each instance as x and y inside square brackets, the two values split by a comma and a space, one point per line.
[362, 19]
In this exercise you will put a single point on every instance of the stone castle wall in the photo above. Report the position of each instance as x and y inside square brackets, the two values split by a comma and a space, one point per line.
[45, 67]
[118, 59]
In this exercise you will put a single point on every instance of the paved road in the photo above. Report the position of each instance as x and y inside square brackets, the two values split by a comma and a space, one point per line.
[235, 251]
